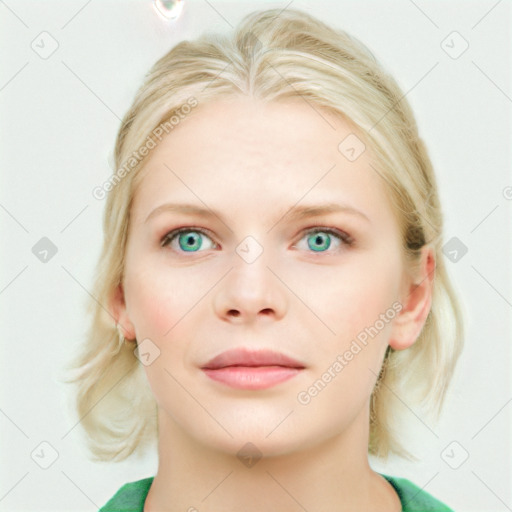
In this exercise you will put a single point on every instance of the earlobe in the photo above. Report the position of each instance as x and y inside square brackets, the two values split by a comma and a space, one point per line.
[120, 313]
[417, 302]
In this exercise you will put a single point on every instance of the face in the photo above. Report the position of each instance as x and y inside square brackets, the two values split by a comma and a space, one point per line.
[252, 272]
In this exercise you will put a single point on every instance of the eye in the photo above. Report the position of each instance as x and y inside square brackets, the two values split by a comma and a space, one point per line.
[188, 239]
[319, 240]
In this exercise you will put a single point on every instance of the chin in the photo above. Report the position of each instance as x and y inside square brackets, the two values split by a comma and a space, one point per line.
[263, 438]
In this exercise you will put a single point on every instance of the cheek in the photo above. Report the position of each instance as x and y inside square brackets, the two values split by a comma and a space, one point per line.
[355, 296]
[156, 301]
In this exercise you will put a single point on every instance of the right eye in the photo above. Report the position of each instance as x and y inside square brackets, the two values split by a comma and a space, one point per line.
[187, 239]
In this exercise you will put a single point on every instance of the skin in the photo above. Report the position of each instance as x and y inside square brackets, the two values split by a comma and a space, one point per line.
[251, 163]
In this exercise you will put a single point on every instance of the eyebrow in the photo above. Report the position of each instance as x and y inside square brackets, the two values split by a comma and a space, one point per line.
[295, 212]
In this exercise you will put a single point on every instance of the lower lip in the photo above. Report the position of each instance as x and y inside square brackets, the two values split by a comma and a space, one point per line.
[252, 377]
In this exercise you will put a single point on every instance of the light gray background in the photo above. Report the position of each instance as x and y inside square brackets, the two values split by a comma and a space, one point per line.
[59, 117]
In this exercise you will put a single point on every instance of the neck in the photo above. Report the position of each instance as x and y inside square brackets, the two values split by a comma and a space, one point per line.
[331, 475]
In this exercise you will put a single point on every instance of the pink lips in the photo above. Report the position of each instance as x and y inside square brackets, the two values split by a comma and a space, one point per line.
[246, 369]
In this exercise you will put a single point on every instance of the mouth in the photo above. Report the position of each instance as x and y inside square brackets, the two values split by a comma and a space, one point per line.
[253, 370]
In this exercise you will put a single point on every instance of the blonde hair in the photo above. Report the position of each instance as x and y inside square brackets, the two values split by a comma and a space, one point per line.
[272, 56]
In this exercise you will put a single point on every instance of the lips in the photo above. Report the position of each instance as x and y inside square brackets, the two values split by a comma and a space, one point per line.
[251, 370]
[249, 358]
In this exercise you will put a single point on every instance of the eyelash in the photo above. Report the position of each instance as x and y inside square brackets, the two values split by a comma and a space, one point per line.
[345, 238]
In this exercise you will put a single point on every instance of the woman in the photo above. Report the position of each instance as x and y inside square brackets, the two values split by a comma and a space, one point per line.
[272, 263]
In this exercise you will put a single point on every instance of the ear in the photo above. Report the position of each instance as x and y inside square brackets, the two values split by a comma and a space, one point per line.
[416, 301]
[119, 312]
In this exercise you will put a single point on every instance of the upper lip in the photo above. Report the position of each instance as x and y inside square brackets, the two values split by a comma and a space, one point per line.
[245, 357]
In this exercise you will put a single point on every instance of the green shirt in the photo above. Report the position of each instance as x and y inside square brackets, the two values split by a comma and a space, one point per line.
[131, 497]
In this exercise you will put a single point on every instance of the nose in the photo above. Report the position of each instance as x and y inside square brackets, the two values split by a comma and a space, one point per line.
[250, 291]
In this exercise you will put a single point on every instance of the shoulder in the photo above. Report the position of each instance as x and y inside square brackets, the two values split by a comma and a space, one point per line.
[413, 498]
[130, 497]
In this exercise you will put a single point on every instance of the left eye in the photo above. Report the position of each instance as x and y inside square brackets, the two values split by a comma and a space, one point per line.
[319, 240]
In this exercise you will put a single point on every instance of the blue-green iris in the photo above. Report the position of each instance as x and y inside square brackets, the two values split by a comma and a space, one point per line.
[190, 240]
[318, 240]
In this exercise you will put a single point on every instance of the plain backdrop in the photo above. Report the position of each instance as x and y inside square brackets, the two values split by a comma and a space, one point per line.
[69, 72]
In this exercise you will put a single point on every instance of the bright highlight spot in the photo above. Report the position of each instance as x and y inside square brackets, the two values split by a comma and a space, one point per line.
[169, 9]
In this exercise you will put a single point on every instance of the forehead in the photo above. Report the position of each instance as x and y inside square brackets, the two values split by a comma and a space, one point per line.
[243, 153]
[289, 130]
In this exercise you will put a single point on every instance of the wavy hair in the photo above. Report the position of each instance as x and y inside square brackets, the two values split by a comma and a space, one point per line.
[272, 55]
